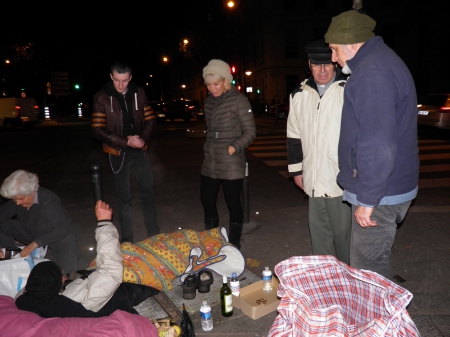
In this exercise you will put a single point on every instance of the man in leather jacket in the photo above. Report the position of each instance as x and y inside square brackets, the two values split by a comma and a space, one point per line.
[124, 121]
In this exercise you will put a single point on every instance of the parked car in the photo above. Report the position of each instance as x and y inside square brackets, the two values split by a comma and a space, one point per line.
[158, 109]
[182, 108]
[434, 110]
[18, 111]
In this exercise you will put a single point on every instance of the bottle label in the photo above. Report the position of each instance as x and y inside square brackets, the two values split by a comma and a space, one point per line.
[267, 278]
[206, 315]
[228, 303]
[235, 287]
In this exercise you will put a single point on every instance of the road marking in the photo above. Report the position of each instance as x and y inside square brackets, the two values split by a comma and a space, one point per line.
[269, 154]
[268, 144]
[271, 137]
[431, 183]
[436, 147]
[429, 209]
[276, 147]
[265, 142]
[434, 156]
[423, 141]
[434, 168]
[276, 162]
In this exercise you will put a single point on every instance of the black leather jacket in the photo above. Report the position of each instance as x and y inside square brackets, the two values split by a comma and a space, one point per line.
[107, 118]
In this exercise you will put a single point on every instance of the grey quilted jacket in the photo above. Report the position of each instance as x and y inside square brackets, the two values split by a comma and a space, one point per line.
[229, 121]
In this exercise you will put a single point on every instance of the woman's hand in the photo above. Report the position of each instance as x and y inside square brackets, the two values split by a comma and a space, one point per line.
[231, 150]
[26, 251]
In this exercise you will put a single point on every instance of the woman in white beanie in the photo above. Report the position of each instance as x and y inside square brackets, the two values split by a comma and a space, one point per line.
[230, 130]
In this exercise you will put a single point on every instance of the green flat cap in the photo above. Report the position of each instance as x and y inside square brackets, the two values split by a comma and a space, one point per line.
[350, 27]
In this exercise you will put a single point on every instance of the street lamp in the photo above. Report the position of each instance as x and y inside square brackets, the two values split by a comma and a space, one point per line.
[232, 4]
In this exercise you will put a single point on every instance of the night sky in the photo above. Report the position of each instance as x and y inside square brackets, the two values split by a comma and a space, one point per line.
[84, 40]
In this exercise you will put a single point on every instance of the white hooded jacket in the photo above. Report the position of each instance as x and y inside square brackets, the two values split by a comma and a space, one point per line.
[313, 129]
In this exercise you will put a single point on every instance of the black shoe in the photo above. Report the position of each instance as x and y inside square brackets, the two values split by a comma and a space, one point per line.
[205, 279]
[211, 223]
[235, 234]
[190, 287]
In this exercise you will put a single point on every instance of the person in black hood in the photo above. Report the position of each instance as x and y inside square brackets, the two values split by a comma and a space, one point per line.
[125, 122]
[96, 293]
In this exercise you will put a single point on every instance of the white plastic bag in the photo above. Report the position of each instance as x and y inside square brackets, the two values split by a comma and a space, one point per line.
[14, 272]
[14, 275]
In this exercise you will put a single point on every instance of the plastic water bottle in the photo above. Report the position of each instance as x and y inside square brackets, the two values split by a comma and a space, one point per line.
[205, 312]
[234, 285]
[267, 280]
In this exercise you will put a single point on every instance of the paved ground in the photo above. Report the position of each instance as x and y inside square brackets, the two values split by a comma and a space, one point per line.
[278, 229]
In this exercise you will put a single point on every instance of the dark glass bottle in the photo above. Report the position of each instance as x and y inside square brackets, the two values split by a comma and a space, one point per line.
[226, 299]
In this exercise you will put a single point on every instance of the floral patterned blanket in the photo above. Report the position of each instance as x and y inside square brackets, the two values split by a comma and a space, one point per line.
[160, 259]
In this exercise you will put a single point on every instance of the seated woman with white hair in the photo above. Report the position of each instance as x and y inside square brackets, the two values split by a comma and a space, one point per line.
[36, 217]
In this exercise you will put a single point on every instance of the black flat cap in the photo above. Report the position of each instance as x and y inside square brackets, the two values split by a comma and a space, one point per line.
[318, 52]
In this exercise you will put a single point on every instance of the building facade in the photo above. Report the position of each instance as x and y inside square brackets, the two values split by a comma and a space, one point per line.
[267, 38]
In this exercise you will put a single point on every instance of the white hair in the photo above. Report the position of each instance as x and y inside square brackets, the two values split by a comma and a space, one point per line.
[21, 183]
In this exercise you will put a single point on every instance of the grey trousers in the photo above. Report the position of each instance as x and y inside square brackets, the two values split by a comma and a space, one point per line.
[330, 223]
[370, 247]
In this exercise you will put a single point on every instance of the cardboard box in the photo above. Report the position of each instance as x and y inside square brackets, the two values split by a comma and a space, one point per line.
[254, 302]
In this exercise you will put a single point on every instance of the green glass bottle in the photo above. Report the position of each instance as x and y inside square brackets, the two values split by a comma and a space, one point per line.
[226, 299]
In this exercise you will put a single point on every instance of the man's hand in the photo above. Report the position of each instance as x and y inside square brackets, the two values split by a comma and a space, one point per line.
[103, 211]
[362, 216]
[299, 181]
[26, 251]
[135, 141]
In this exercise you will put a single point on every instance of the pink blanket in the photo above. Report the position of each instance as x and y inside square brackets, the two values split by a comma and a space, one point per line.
[15, 322]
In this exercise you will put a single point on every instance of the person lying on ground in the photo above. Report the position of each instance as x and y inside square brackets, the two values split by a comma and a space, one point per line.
[97, 293]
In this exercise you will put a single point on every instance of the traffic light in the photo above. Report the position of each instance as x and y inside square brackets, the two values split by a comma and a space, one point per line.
[233, 82]
[233, 69]
[77, 87]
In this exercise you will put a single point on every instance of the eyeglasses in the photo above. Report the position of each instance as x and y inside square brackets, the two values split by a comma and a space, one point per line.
[319, 66]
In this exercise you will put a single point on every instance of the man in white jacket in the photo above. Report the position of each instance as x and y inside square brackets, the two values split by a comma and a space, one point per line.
[312, 149]
[99, 294]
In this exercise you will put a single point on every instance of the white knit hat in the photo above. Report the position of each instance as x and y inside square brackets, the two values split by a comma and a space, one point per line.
[218, 67]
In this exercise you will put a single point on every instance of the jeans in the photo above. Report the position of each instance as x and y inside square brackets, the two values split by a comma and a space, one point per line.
[232, 190]
[121, 166]
[370, 247]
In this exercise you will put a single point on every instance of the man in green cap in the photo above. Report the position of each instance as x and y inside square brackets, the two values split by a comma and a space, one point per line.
[378, 151]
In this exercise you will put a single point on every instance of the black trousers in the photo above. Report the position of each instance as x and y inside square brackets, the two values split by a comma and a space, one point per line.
[209, 191]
